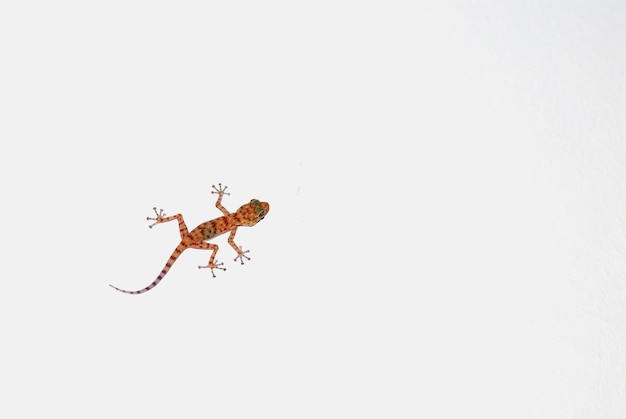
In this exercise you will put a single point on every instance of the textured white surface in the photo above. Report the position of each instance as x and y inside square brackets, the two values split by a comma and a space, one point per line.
[446, 238]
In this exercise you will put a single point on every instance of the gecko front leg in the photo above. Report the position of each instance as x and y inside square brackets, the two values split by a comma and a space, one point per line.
[220, 192]
[240, 252]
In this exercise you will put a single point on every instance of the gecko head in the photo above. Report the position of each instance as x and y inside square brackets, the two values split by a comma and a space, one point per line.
[253, 212]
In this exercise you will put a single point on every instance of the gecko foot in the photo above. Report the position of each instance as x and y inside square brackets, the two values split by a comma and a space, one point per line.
[242, 254]
[212, 266]
[219, 190]
[159, 217]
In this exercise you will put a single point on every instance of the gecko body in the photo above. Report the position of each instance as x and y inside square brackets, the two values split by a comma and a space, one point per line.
[247, 215]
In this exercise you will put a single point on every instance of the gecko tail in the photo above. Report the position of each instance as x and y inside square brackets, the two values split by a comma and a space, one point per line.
[175, 254]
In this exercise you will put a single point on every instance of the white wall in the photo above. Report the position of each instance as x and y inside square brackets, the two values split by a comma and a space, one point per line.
[446, 238]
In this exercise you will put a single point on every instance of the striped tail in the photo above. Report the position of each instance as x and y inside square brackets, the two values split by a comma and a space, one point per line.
[175, 254]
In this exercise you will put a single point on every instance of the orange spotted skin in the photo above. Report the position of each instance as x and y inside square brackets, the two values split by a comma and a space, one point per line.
[247, 215]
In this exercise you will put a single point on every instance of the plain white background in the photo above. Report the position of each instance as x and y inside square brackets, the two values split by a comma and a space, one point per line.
[446, 238]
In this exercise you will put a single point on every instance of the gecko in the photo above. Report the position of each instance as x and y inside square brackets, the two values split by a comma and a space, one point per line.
[247, 215]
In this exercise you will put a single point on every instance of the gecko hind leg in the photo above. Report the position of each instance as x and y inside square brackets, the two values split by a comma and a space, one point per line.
[213, 264]
[161, 218]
